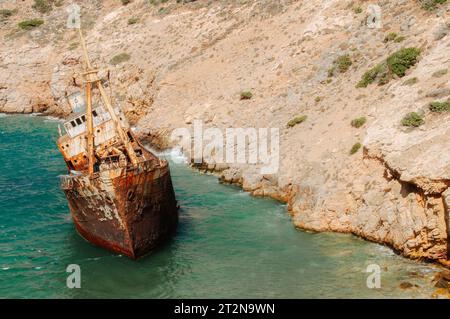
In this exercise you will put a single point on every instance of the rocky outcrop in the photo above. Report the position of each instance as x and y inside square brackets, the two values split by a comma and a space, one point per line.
[378, 207]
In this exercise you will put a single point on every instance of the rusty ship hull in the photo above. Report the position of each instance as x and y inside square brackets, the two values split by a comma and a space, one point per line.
[120, 195]
[129, 211]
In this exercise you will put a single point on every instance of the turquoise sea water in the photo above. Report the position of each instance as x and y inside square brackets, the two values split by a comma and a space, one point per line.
[228, 244]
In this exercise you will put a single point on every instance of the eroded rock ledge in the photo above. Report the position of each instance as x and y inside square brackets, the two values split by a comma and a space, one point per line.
[386, 210]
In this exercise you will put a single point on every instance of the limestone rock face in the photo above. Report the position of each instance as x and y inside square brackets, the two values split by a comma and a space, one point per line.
[415, 155]
[24, 82]
[191, 61]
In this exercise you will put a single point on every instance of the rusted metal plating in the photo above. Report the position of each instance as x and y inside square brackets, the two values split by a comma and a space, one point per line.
[120, 195]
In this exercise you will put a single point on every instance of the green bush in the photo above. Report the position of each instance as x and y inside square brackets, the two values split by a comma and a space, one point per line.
[358, 122]
[440, 107]
[73, 46]
[157, 2]
[30, 24]
[246, 95]
[393, 37]
[357, 10]
[431, 4]
[397, 63]
[390, 37]
[125, 2]
[402, 60]
[297, 120]
[43, 6]
[413, 119]
[378, 71]
[120, 58]
[331, 71]
[342, 64]
[6, 13]
[133, 21]
[355, 148]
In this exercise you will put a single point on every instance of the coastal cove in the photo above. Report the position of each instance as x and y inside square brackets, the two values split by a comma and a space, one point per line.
[228, 244]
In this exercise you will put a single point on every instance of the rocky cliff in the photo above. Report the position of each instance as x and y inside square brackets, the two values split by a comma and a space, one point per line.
[360, 96]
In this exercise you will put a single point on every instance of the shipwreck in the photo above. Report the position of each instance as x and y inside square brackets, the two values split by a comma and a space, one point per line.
[120, 195]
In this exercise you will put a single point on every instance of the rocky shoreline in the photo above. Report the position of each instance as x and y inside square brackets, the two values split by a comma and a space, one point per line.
[302, 65]
[426, 244]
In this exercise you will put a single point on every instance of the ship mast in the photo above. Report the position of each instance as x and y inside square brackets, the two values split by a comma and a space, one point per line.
[91, 78]
[89, 120]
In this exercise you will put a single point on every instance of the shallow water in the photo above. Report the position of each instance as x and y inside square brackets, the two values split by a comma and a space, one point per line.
[228, 244]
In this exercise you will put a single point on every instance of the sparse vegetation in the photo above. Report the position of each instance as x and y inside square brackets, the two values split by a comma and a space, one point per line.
[42, 6]
[297, 120]
[157, 2]
[440, 73]
[413, 119]
[163, 10]
[341, 64]
[431, 4]
[390, 37]
[357, 10]
[399, 39]
[402, 60]
[246, 95]
[6, 13]
[331, 71]
[440, 107]
[358, 122]
[378, 71]
[73, 45]
[397, 63]
[355, 148]
[125, 2]
[30, 24]
[120, 58]
[133, 20]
